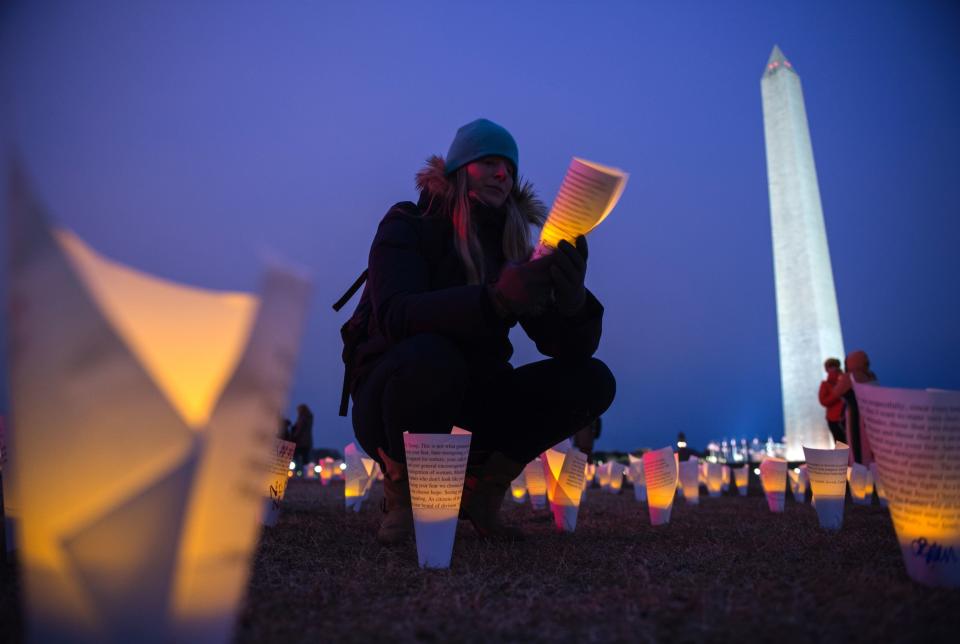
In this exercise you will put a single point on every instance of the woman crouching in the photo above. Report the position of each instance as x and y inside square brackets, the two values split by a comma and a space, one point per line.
[448, 277]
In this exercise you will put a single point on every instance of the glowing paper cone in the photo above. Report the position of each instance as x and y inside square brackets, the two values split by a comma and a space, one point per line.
[690, 480]
[726, 478]
[359, 475]
[804, 480]
[155, 547]
[436, 465]
[660, 471]
[277, 480]
[616, 477]
[589, 472]
[773, 476]
[603, 475]
[518, 489]
[714, 479]
[587, 195]
[565, 466]
[327, 470]
[639, 480]
[878, 485]
[741, 477]
[309, 471]
[857, 478]
[827, 469]
[536, 484]
[914, 436]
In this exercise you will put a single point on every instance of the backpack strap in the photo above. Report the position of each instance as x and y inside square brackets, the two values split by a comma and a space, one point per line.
[339, 304]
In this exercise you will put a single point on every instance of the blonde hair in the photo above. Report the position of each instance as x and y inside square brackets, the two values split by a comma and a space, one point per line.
[517, 240]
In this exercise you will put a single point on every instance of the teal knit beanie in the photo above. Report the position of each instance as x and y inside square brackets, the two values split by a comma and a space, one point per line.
[478, 139]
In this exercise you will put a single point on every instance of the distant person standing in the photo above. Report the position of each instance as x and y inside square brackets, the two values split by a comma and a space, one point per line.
[834, 404]
[857, 367]
[302, 434]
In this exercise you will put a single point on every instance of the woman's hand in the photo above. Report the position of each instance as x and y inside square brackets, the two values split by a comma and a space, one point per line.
[568, 272]
[522, 289]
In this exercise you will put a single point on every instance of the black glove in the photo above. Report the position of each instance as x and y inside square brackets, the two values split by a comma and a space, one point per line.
[568, 272]
[522, 289]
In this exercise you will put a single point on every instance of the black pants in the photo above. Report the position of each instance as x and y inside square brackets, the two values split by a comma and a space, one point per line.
[423, 385]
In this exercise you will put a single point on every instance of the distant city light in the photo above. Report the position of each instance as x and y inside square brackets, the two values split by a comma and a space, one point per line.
[293, 465]
[756, 471]
[317, 469]
[681, 444]
[343, 466]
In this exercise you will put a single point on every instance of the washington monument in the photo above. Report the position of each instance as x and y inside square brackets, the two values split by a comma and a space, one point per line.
[808, 323]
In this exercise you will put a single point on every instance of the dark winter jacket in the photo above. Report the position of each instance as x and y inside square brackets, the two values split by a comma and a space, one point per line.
[417, 284]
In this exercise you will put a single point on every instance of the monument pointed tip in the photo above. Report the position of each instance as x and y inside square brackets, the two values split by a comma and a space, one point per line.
[777, 60]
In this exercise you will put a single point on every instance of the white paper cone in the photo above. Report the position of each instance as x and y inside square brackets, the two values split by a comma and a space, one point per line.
[714, 479]
[741, 476]
[639, 480]
[616, 477]
[518, 489]
[151, 543]
[726, 478]
[827, 471]
[357, 476]
[660, 471]
[536, 484]
[914, 438]
[436, 465]
[277, 480]
[773, 476]
[564, 467]
[690, 480]
[857, 478]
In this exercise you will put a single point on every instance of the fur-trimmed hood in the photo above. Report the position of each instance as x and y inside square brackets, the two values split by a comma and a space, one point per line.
[432, 179]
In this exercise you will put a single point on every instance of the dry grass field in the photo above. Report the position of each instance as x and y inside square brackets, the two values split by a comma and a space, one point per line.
[726, 570]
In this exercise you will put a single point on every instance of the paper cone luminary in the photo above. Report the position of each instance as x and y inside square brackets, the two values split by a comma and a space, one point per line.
[536, 484]
[714, 479]
[660, 471]
[639, 480]
[827, 469]
[726, 478]
[689, 475]
[616, 477]
[327, 470]
[915, 436]
[857, 479]
[603, 475]
[773, 477]
[359, 476]
[741, 476]
[277, 475]
[518, 489]
[436, 465]
[163, 399]
[590, 471]
[564, 466]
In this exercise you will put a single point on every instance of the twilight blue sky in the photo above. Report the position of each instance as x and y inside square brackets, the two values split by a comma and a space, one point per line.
[191, 139]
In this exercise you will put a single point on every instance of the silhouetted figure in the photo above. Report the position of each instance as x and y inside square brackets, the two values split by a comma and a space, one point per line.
[302, 434]
[834, 404]
[283, 431]
[448, 277]
[857, 367]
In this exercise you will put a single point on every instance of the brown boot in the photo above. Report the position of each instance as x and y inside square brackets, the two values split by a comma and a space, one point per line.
[397, 524]
[483, 490]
